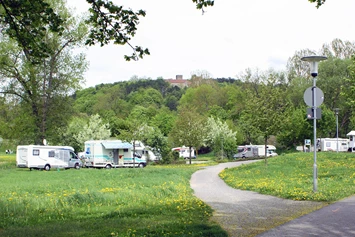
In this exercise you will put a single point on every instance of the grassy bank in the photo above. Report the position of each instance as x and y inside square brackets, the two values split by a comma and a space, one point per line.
[291, 176]
[154, 201]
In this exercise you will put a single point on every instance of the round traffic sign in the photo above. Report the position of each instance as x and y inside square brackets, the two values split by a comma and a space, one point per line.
[308, 96]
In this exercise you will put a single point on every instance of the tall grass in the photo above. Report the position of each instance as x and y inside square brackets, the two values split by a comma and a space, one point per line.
[291, 176]
[154, 201]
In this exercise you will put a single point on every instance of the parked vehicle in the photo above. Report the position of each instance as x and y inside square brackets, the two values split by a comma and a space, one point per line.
[351, 136]
[247, 151]
[251, 151]
[330, 144]
[112, 154]
[271, 150]
[46, 157]
[145, 152]
[184, 152]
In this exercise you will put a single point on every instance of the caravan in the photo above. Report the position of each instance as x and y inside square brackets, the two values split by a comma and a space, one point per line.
[333, 144]
[271, 150]
[111, 154]
[145, 152]
[249, 151]
[46, 157]
[184, 152]
[246, 151]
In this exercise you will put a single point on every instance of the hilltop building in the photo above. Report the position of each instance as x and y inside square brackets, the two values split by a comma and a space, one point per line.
[179, 81]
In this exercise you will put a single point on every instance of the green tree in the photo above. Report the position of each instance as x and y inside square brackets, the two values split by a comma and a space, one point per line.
[202, 98]
[164, 120]
[43, 88]
[28, 22]
[265, 109]
[189, 130]
[295, 128]
[318, 2]
[146, 97]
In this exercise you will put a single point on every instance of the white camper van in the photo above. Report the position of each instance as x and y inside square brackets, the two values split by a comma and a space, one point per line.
[145, 152]
[271, 150]
[249, 151]
[330, 144]
[111, 154]
[46, 157]
[184, 152]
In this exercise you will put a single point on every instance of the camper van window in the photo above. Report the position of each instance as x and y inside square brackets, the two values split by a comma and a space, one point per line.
[249, 149]
[51, 153]
[35, 152]
[125, 150]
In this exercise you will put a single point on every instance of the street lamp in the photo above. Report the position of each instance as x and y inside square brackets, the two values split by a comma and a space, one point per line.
[314, 60]
[337, 113]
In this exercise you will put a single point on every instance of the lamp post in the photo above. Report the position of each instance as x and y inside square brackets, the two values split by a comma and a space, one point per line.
[337, 113]
[314, 60]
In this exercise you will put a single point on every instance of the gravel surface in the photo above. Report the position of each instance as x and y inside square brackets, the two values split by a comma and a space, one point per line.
[244, 213]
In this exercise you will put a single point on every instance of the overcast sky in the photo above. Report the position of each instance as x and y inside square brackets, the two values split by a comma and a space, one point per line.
[230, 37]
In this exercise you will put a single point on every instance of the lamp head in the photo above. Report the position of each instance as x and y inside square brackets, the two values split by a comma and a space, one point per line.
[314, 60]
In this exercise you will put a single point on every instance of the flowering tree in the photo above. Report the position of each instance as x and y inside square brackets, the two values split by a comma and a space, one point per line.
[220, 137]
[96, 129]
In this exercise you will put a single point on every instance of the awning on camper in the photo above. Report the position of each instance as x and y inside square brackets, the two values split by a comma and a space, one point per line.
[116, 145]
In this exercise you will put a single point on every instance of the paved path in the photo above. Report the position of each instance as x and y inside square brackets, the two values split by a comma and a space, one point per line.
[337, 219]
[245, 213]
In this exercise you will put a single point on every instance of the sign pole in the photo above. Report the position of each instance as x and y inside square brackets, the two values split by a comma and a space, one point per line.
[315, 170]
[314, 60]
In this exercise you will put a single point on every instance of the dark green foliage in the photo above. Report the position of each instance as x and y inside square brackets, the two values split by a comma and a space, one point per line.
[27, 22]
[318, 2]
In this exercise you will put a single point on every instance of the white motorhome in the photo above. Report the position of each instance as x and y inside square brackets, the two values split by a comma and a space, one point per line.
[184, 152]
[330, 144]
[111, 154]
[246, 151]
[46, 157]
[351, 136]
[271, 150]
[249, 151]
[145, 151]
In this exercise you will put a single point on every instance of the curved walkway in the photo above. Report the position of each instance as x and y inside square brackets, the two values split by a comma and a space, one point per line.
[244, 213]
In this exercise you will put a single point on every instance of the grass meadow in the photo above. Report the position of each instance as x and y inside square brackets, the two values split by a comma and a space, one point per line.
[154, 201]
[290, 176]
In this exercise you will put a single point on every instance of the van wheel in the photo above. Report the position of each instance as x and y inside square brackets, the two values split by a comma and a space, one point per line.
[77, 166]
[47, 167]
[140, 165]
[108, 167]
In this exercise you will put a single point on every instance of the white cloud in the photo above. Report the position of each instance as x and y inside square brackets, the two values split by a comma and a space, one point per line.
[227, 39]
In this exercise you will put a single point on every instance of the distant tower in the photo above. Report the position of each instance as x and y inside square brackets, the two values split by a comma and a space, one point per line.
[178, 77]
